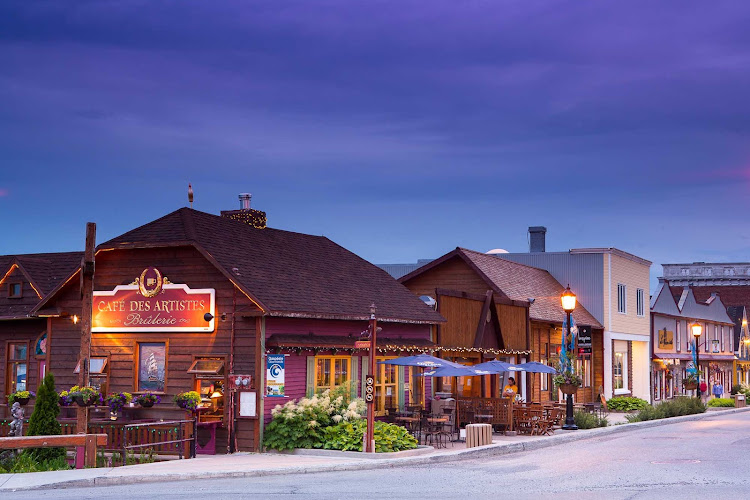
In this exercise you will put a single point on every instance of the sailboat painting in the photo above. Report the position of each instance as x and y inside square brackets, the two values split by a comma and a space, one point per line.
[152, 361]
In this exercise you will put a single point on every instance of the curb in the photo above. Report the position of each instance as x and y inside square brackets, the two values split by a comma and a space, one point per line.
[364, 464]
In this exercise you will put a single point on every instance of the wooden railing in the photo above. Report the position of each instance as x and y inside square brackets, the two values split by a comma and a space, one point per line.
[495, 411]
[85, 444]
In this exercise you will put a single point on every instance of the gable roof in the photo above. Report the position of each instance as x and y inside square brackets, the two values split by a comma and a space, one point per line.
[43, 270]
[664, 302]
[517, 283]
[286, 273]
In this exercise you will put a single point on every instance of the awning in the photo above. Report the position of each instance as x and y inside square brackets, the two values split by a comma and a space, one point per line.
[323, 342]
[689, 357]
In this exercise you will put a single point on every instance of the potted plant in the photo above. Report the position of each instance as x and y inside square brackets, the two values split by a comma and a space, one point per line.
[568, 381]
[83, 396]
[147, 399]
[65, 399]
[690, 382]
[21, 396]
[188, 400]
[116, 401]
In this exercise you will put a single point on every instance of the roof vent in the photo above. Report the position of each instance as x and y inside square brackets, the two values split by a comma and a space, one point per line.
[245, 201]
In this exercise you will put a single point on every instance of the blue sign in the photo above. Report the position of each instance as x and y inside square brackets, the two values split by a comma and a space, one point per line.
[274, 375]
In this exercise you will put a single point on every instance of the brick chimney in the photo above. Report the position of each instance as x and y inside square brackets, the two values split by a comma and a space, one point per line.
[245, 214]
[536, 238]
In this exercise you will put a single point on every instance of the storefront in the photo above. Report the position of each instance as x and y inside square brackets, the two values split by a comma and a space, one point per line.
[187, 302]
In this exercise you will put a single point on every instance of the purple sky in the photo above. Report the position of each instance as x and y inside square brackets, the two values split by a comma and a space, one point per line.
[398, 129]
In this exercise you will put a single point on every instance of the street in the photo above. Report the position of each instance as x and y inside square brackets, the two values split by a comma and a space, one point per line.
[701, 459]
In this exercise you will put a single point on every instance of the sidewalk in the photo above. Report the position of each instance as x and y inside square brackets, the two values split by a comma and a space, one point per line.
[265, 464]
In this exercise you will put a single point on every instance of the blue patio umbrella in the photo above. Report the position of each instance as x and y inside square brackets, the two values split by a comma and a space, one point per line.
[421, 360]
[537, 367]
[457, 371]
[495, 366]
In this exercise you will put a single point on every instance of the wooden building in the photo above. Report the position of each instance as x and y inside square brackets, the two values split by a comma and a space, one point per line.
[498, 309]
[24, 281]
[194, 301]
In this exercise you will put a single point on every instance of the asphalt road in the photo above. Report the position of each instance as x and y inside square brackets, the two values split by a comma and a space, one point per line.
[704, 459]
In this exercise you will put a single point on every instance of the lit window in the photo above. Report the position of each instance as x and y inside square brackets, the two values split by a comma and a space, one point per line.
[15, 290]
[386, 386]
[17, 367]
[620, 367]
[331, 372]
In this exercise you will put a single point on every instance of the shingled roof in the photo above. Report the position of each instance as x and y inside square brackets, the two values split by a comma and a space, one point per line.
[518, 282]
[290, 274]
[43, 270]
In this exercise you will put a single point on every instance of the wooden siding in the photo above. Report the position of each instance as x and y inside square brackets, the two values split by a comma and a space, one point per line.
[180, 265]
[454, 274]
[545, 337]
[25, 302]
[463, 317]
[512, 326]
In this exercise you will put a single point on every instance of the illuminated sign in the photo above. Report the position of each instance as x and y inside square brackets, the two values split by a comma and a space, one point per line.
[153, 303]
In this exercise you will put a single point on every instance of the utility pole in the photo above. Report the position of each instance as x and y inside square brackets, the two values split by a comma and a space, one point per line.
[87, 292]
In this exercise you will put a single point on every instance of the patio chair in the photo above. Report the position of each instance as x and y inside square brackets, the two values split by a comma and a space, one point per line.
[431, 432]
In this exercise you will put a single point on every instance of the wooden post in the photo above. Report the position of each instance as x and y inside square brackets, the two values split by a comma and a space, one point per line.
[87, 290]
[370, 434]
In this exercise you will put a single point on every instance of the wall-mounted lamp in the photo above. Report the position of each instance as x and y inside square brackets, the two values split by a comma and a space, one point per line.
[75, 319]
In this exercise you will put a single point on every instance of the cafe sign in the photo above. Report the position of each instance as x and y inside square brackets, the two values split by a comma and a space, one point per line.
[153, 303]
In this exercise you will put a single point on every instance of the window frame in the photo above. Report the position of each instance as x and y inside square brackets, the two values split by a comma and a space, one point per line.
[200, 376]
[316, 388]
[380, 384]
[622, 298]
[11, 366]
[621, 347]
[640, 309]
[136, 366]
[11, 284]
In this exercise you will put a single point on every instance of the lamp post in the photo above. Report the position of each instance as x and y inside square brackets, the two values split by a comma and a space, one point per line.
[568, 300]
[697, 330]
[369, 385]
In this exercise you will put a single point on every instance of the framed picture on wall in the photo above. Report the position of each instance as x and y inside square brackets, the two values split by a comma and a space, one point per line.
[151, 367]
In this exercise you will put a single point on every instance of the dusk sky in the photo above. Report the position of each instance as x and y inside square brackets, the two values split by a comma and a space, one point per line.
[400, 130]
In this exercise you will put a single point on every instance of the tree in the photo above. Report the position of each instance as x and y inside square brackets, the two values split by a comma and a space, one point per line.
[43, 421]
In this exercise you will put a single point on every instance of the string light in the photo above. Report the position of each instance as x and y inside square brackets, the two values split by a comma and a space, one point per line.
[399, 348]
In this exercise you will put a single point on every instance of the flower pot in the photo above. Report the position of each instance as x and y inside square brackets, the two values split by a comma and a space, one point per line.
[22, 401]
[568, 388]
[84, 402]
[146, 404]
[690, 386]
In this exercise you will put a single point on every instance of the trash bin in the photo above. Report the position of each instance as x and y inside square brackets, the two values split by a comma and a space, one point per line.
[739, 401]
[478, 435]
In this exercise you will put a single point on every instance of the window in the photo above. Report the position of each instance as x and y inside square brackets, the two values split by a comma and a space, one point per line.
[716, 343]
[386, 387]
[621, 298]
[728, 271]
[331, 372]
[545, 378]
[15, 290]
[685, 271]
[707, 271]
[639, 305]
[208, 375]
[17, 365]
[151, 367]
[704, 338]
[620, 367]
[679, 338]
[583, 366]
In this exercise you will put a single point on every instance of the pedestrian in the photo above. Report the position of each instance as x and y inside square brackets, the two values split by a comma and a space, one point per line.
[718, 390]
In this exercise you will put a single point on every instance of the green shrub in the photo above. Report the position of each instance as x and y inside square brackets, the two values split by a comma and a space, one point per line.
[43, 421]
[626, 403]
[585, 420]
[348, 436]
[26, 462]
[736, 388]
[721, 403]
[301, 424]
[675, 408]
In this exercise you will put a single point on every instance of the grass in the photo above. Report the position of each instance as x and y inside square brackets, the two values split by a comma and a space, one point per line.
[24, 462]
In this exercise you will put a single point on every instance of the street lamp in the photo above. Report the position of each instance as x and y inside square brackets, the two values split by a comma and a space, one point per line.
[697, 330]
[568, 300]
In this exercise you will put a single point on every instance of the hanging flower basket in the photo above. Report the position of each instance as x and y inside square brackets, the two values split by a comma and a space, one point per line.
[20, 397]
[568, 388]
[83, 396]
[188, 400]
[147, 399]
[690, 386]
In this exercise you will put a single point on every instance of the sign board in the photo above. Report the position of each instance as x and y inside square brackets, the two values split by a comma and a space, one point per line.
[666, 339]
[275, 375]
[715, 344]
[153, 303]
[362, 344]
[247, 404]
[369, 388]
[584, 336]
